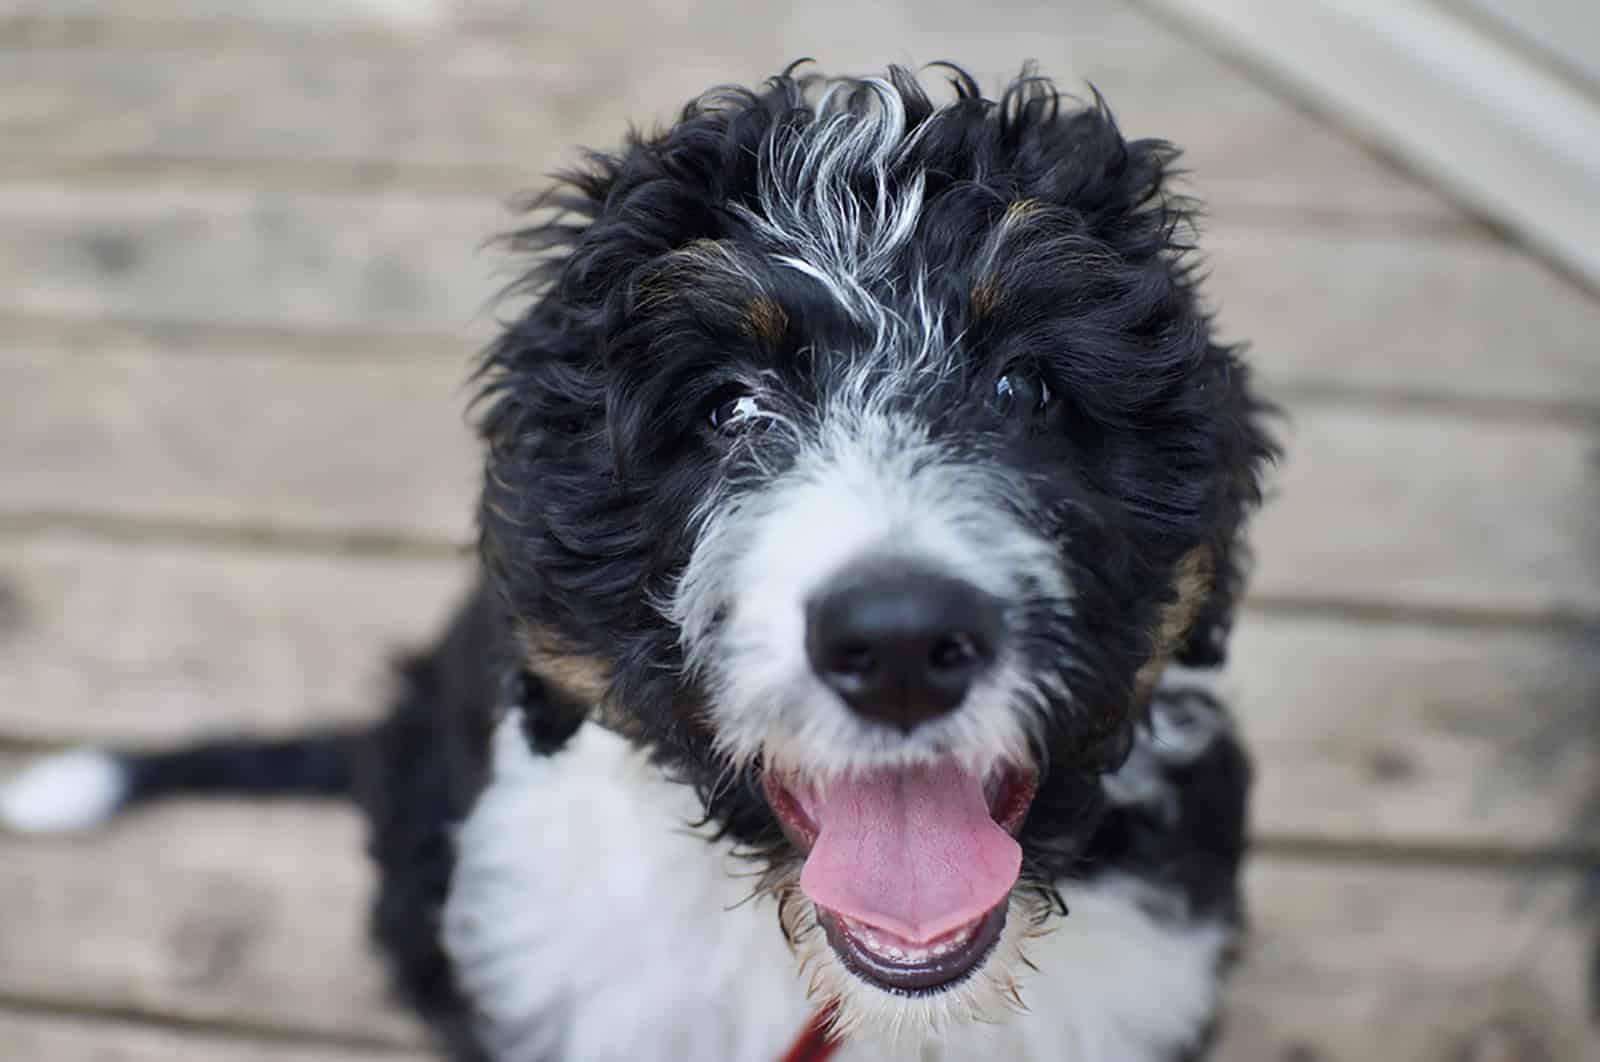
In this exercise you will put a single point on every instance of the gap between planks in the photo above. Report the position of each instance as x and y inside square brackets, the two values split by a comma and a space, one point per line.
[129, 1028]
[499, 183]
[121, 529]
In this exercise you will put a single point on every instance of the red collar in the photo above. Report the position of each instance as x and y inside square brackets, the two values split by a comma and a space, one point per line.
[816, 1043]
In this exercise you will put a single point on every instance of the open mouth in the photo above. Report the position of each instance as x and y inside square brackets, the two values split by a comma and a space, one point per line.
[909, 869]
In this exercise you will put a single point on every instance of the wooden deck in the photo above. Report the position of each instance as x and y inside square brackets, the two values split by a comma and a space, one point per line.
[240, 276]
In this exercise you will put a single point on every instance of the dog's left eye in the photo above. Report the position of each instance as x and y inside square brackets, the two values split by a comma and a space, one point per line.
[735, 412]
[1020, 391]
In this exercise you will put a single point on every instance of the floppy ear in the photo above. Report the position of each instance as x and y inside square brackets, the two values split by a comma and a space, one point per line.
[1191, 592]
[1204, 643]
[1246, 449]
[1192, 628]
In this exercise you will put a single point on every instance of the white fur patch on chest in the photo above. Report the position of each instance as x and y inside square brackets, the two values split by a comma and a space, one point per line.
[589, 922]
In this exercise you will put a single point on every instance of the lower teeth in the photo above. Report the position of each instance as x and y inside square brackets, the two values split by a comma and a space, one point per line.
[895, 953]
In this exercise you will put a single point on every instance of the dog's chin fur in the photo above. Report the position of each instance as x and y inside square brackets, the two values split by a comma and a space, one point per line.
[991, 992]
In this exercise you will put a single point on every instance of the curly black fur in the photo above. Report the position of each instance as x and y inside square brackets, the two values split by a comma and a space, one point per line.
[596, 397]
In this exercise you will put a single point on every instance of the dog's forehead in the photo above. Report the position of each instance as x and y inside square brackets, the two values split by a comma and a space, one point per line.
[760, 301]
[855, 238]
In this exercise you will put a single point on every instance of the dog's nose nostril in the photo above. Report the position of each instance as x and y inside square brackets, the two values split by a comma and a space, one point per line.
[953, 652]
[899, 642]
[857, 660]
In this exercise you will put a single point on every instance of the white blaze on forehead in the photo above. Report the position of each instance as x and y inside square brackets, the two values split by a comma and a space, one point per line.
[838, 203]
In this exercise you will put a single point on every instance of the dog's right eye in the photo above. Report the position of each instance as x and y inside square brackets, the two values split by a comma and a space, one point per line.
[734, 411]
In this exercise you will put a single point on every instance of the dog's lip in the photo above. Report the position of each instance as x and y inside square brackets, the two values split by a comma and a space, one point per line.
[1010, 789]
[797, 825]
[908, 968]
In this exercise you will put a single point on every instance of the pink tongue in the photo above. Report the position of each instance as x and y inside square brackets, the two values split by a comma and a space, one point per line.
[913, 852]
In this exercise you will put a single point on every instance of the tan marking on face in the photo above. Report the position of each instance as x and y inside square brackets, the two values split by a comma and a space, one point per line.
[986, 292]
[1018, 214]
[705, 253]
[1192, 584]
[766, 320]
[580, 676]
[702, 258]
[985, 297]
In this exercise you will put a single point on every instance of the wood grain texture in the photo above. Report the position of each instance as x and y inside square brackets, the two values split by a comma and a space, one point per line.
[160, 642]
[503, 108]
[1434, 510]
[367, 446]
[223, 913]
[1354, 963]
[50, 1037]
[1388, 313]
[159, 250]
[1409, 734]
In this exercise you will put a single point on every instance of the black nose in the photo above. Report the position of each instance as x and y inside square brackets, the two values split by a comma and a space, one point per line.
[900, 643]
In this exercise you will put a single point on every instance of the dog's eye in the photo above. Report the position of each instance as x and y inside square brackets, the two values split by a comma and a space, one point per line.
[735, 412]
[1018, 391]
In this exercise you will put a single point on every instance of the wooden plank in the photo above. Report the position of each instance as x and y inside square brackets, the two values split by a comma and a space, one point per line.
[213, 914]
[387, 260]
[369, 446]
[1346, 960]
[1365, 732]
[1391, 313]
[1434, 510]
[1567, 31]
[1396, 732]
[159, 642]
[506, 108]
[56, 1038]
[386, 109]
[259, 14]
[1513, 140]
[1355, 962]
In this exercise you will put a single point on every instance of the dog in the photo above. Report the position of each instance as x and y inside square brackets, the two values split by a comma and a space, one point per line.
[861, 528]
